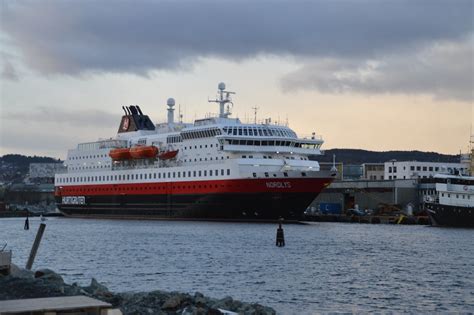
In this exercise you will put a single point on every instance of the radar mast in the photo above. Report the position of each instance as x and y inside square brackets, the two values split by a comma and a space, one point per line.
[223, 99]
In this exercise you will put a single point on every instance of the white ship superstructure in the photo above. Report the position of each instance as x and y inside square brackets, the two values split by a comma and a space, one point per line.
[454, 204]
[216, 167]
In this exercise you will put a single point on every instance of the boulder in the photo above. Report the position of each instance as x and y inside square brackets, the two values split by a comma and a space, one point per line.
[49, 276]
[19, 272]
[225, 303]
[95, 288]
[173, 302]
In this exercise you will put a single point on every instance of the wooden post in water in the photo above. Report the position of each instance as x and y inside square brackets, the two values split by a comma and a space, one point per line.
[280, 237]
[27, 222]
[36, 244]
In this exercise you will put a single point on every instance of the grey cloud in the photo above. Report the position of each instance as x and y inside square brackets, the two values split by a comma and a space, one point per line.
[443, 69]
[76, 37]
[59, 116]
[9, 71]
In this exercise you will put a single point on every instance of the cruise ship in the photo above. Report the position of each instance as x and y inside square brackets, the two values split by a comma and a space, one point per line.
[214, 168]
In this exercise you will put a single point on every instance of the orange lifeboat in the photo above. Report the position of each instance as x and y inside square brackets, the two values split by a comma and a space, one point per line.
[120, 154]
[168, 155]
[144, 152]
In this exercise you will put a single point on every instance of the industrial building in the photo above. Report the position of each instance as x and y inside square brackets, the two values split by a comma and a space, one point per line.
[415, 169]
[377, 196]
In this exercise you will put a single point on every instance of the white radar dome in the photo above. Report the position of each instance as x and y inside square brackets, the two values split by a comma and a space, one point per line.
[170, 102]
[221, 86]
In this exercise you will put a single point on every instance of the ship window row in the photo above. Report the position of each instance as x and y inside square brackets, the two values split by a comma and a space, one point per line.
[275, 175]
[259, 131]
[151, 187]
[174, 139]
[90, 167]
[273, 143]
[200, 146]
[463, 196]
[95, 156]
[88, 146]
[196, 134]
[205, 159]
[120, 177]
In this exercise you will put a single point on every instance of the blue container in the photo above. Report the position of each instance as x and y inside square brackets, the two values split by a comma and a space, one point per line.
[330, 208]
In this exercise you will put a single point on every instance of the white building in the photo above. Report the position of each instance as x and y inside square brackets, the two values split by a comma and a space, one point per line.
[414, 169]
[373, 171]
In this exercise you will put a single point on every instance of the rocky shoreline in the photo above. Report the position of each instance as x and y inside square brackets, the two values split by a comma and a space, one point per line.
[25, 284]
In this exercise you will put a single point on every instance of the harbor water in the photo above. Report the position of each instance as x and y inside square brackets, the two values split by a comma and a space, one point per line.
[324, 267]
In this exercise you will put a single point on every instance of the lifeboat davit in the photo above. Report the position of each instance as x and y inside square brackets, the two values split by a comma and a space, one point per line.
[168, 155]
[144, 152]
[120, 154]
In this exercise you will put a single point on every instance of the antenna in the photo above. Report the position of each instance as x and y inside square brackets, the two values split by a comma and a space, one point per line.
[223, 99]
[255, 109]
[180, 114]
[333, 168]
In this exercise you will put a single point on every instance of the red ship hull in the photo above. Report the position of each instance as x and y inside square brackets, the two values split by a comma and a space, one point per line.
[242, 199]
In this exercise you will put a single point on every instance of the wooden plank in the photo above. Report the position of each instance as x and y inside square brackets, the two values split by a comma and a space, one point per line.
[5, 258]
[62, 303]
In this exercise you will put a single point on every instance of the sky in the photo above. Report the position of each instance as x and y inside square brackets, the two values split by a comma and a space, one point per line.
[368, 74]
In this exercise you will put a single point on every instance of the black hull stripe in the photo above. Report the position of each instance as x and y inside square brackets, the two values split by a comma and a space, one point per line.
[444, 215]
[256, 206]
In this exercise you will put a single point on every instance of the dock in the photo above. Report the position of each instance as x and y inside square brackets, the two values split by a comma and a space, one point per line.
[5, 262]
[79, 304]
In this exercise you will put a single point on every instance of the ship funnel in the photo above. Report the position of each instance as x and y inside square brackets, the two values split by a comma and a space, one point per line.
[170, 102]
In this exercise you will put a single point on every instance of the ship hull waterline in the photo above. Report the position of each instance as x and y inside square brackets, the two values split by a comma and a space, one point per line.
[227, 204]
[453, 216]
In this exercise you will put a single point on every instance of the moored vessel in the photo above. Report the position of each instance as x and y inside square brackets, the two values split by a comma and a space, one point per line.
[214, 168]
[454, 202]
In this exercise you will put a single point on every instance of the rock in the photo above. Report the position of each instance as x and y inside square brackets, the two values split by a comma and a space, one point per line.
[199, 301]
[18, 272]
[46, 283]
[96, 288]
[225, 303]
[50, 277]
[173, 302]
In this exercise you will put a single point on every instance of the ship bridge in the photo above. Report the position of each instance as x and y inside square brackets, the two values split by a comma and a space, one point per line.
[270, 139]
